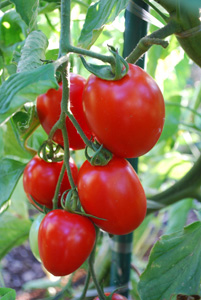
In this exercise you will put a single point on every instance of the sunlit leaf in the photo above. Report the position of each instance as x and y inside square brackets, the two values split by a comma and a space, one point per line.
[174, 265]
[99, 14]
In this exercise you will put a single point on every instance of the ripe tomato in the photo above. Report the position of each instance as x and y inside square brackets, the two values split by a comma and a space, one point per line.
[127, 115]
[33, 236]
[115, 296]
[65, 241]
[48, 108]
[114, 193]
[40, 180]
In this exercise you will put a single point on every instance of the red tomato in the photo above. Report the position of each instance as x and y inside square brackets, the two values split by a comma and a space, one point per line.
[115, 296]
[49, 109]
[65, 241]
[40, 180]
[127, 115]
[114, 193]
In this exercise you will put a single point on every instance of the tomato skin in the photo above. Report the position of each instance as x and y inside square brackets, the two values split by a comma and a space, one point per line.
[40, 180]
[33, 236]
[115, 296]
[49, 109]
[65, 241]
[127, 115]
[114, 193]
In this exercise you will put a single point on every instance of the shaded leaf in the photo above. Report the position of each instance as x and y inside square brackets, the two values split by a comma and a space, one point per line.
[33, 51]
[27, 10]
[174, 265]
[11, 22]
[25, 87]
[10, 172]
[98, 14]
[7, 294]
[13, 232]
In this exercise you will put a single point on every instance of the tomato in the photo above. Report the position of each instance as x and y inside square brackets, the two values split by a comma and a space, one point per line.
[40, 180]
[48, 108]
[115, 296]
[65, 241]
[127, 115]
[113, 193]
[33, 236]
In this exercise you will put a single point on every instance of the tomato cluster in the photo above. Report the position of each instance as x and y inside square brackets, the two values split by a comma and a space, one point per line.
[126, 117]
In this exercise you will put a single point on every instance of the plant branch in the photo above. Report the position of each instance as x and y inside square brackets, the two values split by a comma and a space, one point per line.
[91, 268]
[104, 58]
[155, 38]
[55, 198]
[65, 27]
[64, 105]
[187, 187]
[86, 285]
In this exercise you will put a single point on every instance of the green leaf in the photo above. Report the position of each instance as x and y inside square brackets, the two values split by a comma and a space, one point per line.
[33, 51]
[11, 23]
[10, 172]
[7, 294]
[172, 117]
[13, 232]
[19, 203]
[98, 14]
[25, 87]
[11, 144]
[174, 265]
[177, 215]
[28, 11]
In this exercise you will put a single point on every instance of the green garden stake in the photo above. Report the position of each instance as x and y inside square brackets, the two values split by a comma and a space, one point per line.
[135, 29]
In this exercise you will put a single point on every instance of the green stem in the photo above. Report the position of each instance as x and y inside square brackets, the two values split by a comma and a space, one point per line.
[65, 27]
[104, 58]
[4, 3]
[86, 285]
[187, 186]
[56, 194]
[64, 105]
[79, 129]
[50, 24]
[91, 268]
[154, 38]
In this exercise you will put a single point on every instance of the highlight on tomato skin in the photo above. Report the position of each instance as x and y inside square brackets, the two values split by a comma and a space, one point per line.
[114, 193]
[49, 108]
[40, 180]
[127, 115]
[65, 241]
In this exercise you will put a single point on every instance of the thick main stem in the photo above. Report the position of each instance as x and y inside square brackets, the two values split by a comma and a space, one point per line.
[65, 27]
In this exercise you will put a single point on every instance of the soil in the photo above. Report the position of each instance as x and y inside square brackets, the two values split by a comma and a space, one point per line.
[20, 266]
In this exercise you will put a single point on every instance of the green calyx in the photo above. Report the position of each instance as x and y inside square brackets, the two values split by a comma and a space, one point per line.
[114, 71]
[50, 151]
[100, 155]
[72, 204]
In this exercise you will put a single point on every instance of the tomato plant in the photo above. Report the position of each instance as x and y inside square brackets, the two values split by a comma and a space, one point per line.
[65, 241]
[33, 236]
[114, 193]
[115, 296]
[49, 109]
[127, 115]
[40, 180]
